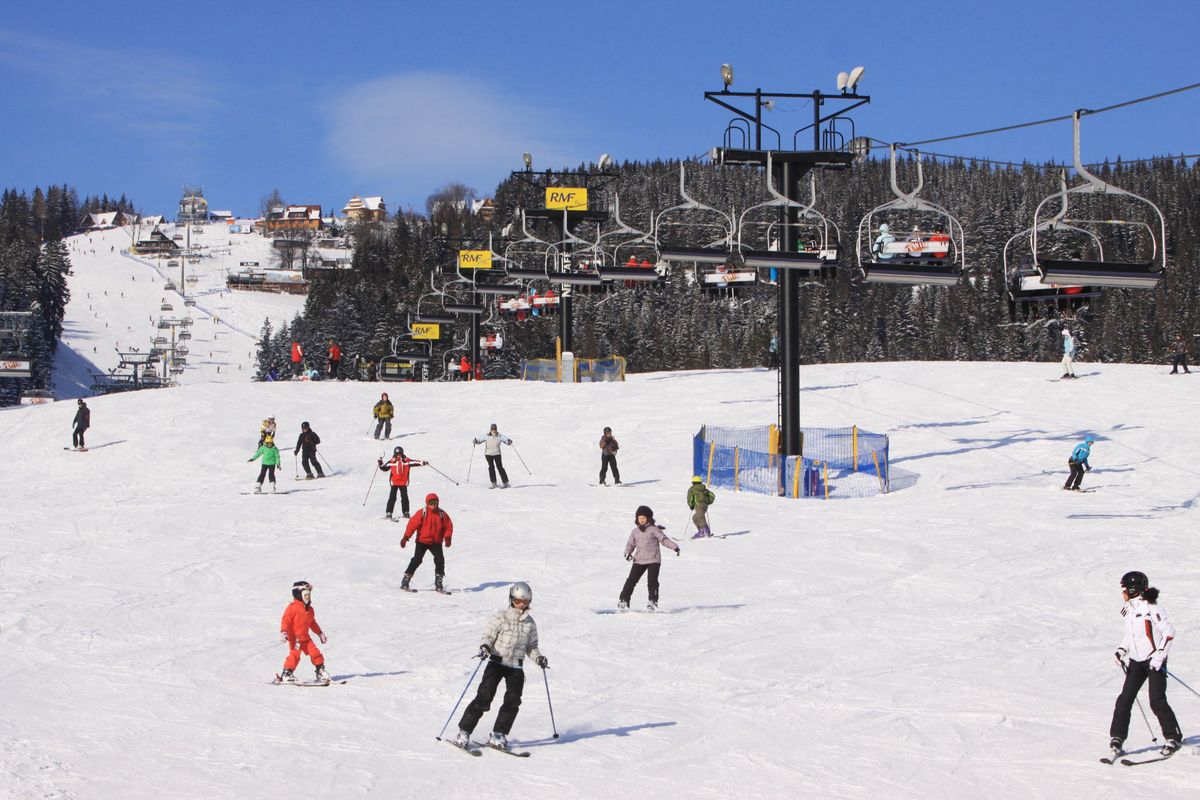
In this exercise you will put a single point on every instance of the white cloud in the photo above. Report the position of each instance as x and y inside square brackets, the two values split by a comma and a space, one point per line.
[427, 128]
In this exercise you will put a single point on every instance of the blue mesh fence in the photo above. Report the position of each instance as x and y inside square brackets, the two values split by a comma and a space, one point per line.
[587, 370]
[836, 462]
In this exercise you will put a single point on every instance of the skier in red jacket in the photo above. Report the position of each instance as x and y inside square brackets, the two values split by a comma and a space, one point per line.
[399, 465]
[298, 619]
[432, 526]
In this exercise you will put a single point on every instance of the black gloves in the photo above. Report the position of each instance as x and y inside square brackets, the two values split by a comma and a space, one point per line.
[486, 651]
[543, 662]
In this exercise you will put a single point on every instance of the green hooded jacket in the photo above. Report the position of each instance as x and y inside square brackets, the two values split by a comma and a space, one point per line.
[270, 455]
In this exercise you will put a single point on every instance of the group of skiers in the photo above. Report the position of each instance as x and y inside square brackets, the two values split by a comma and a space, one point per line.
[306, 446]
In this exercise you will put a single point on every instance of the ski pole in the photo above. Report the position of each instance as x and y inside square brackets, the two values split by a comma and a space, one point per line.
[374, 472]
[553, 727]
[328, 466]
[439, 472]
[1153, 738]
[460, 697]
[296, 464]
[523, 464]
[471, 463]
[1176, 677]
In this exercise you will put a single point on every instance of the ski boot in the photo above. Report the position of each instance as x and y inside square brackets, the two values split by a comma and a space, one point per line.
[602, 483]
[437, 583]
[404, 514]
[258, 488]
[272, 487]
[404, 583]
[505, 486]
[701, 532]
[1170, 748]
[463, 739]
[1116, 747]
[617, 482]
[622, 606]
[308, 477]
[287, 677]
[652, 605]
[498, 741]
[389, 517]
[322, 675]
[493, 484]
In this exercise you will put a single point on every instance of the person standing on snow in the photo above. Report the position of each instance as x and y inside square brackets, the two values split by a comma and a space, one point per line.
[308, 442]
[491, 442]
[82, 421]
[699, 498]
[297, 357]
[608, 457]
[1148, 637]
[270, 460]
[267, 429]
[384, 411]
[399, 465]
[1179, 357]
[1068, 359]
[299, 619]
[335, 359]
[644, 549]
[432, 526]
[510, 637]
[1078, 462]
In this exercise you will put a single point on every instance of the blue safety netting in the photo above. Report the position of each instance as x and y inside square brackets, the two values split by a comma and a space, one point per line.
[587, 370]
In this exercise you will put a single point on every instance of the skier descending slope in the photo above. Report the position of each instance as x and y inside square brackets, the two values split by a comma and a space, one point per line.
[299, 619]
[608, 457]
[1068, 359]
[82, 421]
[270, 460]
[510, 637]
[491, 442]
[432, 527]
[644, 550]
[699, 498]
[307, 442]
[1148, 637]
[1078, 462]
[399, 466]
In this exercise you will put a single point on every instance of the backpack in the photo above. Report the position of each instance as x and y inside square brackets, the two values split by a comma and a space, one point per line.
[709, 497]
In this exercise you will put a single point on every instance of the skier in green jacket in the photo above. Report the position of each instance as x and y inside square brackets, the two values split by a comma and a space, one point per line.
[270, 460]
[699, 498]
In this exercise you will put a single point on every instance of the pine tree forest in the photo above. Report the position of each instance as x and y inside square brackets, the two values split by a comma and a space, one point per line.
[678, 325]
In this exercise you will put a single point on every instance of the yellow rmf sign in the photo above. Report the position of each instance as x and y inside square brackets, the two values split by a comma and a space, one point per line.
[474, 259]
[427, 330]
[570, 199]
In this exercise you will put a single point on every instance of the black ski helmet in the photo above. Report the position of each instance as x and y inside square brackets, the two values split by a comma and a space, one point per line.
[1134, 583]
[299, 587]
[398, 451]
[304, 425]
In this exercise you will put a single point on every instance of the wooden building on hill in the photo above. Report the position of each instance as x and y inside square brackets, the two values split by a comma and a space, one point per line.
[365, 209]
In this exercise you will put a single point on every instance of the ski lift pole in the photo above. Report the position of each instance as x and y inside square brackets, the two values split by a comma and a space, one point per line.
[439, 472]
[518, 452]
[471, 463]
[374, 472]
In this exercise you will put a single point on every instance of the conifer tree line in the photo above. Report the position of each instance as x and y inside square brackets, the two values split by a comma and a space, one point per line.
[33, 274]
[681, 326]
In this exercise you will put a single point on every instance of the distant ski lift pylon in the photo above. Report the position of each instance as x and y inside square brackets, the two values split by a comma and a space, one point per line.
[1092, 267]
[931, 253]
[714, 251]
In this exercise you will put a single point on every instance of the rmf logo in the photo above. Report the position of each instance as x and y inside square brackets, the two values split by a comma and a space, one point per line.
[474, 259]
[570, 199]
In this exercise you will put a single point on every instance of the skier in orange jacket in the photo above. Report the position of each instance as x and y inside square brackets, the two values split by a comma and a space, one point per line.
[432, 527]
[298, 619]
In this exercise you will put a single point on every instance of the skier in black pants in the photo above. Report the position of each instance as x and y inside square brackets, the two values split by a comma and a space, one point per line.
[308, 442]
[510, 637]
[83, 421]
[491, 442]
[608, 456]
[645, 541]
[1078, 462]
[1148, 637]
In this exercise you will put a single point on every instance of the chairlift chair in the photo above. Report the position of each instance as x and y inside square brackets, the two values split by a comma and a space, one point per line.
[166, 307]
[816, 247]
[170, 286]
[160, 341]
[716, 251]
[184, 336]
[182, 350]
[190, 302]
[192, 279]
[1099, 271]
[173, 264]
[933, 255]
[186, 322]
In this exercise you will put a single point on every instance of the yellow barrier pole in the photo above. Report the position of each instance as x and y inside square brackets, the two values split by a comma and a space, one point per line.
[825, 470]
[854, 439]
[878, 473]
[772, 444]
[712, 448]
[558, 358]
[736, 455]
[799, 467]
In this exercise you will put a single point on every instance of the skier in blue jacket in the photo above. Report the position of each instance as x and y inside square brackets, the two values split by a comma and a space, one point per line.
[1078, 462]
[1068, 359]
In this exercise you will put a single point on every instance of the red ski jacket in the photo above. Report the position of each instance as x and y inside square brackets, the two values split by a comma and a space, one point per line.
[400, 466]
[430, 528]
[298, 620]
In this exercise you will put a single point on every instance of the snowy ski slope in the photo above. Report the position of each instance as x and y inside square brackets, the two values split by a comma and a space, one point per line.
[953, 638]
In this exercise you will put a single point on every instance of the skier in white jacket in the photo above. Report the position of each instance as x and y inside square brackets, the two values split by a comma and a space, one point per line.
[491, 442]
[1148, 637]
[510, 637]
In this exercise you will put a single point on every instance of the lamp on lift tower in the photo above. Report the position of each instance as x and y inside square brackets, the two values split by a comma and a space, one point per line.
[860, 146]
[727, 75]
[528, 159]
[847, 82]
[604, 161]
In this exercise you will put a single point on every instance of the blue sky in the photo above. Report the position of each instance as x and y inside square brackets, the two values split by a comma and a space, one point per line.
[325, 100]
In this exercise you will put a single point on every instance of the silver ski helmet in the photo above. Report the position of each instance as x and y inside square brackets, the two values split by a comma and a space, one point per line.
[1134, 583]
[302, 591]
[520, 591]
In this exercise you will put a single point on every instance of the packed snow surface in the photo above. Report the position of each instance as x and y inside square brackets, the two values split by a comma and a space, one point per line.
[953, 638]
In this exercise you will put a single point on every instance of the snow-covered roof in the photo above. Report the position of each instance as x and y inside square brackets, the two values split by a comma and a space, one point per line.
[221, 214]
[105, 219]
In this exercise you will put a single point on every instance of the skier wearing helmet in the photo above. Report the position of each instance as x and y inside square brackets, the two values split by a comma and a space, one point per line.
[399, 465]
[608, 456]
[510, 637]
[1148, 637]
[491, 442]
[307, 444]
[432, 526]
[299, 619]
[270, 460]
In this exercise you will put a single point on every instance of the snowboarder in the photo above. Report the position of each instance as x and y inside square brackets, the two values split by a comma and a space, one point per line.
[335, 359]
[384, 411]
[699, 498]
[308, 442]
[1148, 637]
[432, 526]
[1068, 359]
[82, 421]
[298, 619]
[1078, 462]
[491, 442]
[270, 460]
[608, 457]
[1179, 359]
[399, 465]
[510, 637]
[644, 549]
[267, 429]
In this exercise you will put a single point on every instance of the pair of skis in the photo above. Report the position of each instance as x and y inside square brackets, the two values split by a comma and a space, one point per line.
[414, 591]
[478, 750]
[1129, 762]
[279, 681]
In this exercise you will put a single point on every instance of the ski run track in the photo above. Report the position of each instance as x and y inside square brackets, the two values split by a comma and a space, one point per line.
[953, 638]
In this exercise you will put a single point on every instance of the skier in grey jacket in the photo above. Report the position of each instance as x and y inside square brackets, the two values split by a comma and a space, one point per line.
[491, 442]
[510, 637]
[644, 550]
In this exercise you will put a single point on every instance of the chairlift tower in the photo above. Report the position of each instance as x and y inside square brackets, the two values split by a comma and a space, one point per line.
[830, 151]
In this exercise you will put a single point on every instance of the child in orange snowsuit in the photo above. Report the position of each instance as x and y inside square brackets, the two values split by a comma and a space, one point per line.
[298, 619]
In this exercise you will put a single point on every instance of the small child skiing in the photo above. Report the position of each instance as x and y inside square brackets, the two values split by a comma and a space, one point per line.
[1078, 462]
[644, 549]
[432, 527]
[699, 498]
[399, 466]
[270, 460]
[298, 619]
[491, 442]
[267, 429]
[608, 457]
[1148, 637]
[383, 412]
[510, 637]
